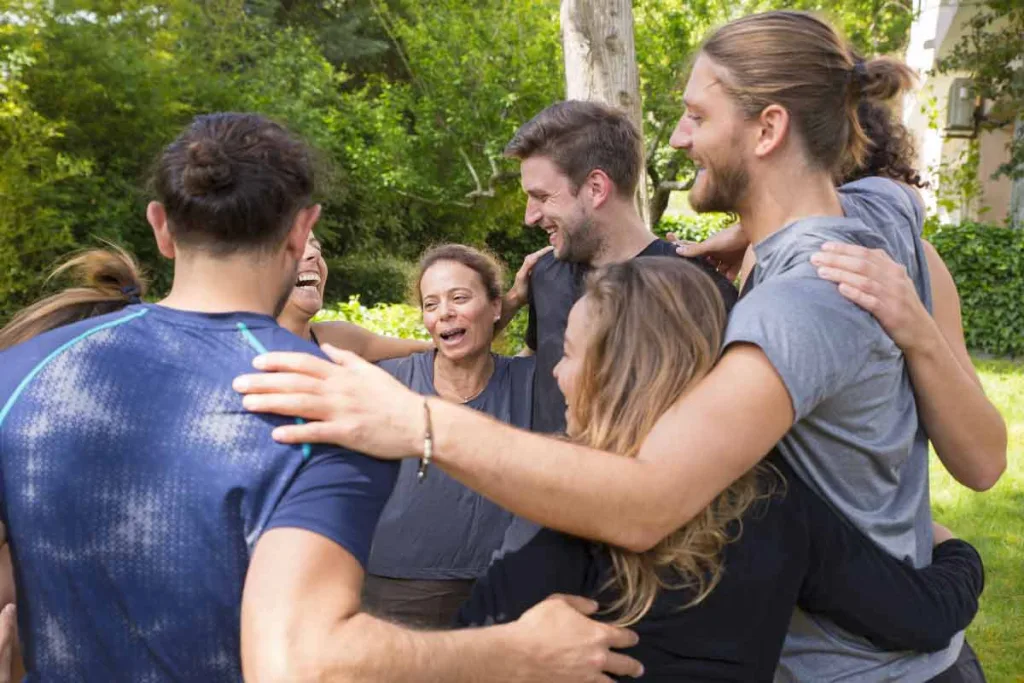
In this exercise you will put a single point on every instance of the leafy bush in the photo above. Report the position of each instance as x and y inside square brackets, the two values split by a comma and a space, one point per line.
[403, 320]
[987, 263]
[369, 278]
[695, 228]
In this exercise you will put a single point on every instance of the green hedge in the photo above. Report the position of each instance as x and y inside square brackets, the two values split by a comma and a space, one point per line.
[405, 321]
[987, 263]
[695, 228]
[373, 279]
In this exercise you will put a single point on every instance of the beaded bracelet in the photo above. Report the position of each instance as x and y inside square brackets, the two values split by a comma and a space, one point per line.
[428, 444]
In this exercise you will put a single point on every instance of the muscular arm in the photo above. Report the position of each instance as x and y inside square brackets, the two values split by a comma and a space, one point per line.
[301, 622]
[967, 431]
[681, 467]
[362, 342]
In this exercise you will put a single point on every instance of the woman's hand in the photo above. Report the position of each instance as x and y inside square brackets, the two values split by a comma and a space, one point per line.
[724, 250]
[349, 402]
[879, 285]
[516, 296]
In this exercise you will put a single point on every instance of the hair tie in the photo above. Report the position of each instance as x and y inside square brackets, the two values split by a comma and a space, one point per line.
[131, 292]
[860, 72]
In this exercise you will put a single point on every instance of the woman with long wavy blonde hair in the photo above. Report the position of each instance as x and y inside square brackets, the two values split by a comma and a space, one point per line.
[713, 600]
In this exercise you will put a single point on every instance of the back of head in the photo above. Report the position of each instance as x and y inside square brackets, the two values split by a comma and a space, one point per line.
[798, 61]
[580, 137]
[105, 281]
[233, 182]
[891, 151]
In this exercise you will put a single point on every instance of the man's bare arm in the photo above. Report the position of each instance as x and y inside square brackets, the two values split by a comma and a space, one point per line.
[709, 438]
[301, 622]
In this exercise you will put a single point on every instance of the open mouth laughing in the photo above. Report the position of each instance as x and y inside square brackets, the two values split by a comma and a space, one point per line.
[308, 279]
[453, 336]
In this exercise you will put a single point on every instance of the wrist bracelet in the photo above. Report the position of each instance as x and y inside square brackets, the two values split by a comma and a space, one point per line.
[428, 444]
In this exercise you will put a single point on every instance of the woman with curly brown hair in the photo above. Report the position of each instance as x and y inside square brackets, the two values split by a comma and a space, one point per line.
[713, 600]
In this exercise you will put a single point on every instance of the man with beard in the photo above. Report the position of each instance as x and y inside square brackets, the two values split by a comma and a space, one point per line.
[581, 162]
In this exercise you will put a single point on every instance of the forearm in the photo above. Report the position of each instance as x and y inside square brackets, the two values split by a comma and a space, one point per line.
[967, 431]
[554, 482]
[367, 649]
[865, 590]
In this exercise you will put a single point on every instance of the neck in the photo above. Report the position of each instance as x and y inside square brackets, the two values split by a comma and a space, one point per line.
[623, 234]
[296, 322]
[464, 378]
[223, 285]
[784, 198]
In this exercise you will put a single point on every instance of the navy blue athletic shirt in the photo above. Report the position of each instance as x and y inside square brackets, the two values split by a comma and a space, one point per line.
[135, 486]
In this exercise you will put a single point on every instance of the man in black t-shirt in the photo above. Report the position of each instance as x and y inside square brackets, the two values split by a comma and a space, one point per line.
[581, 162]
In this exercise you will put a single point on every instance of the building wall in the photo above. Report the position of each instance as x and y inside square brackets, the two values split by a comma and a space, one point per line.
[936, 30]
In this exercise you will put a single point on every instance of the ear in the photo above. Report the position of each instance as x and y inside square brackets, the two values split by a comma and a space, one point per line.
[772, 130]
[303, 224]
[598, 187]
[496, 309]
[156, 214]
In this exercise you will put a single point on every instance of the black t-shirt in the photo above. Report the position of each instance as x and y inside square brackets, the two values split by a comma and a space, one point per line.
[792, 549]
[554, 288]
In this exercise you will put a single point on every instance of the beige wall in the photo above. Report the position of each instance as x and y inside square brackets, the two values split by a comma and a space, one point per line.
[993, 153]
[938, 27]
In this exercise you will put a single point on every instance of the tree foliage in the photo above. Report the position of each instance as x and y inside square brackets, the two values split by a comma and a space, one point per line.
[408, 102]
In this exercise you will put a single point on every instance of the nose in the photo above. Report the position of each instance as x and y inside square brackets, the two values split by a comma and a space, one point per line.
[533, 212]
[445, 310]
[682, 136]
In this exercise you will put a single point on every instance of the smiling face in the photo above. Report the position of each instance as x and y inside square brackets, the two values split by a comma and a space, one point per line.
[711, 133]
[307, 296]
[553, 206]
[570, 367]
[457, 311]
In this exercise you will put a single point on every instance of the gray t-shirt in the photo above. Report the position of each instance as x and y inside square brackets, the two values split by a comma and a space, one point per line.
[439, 529]
[856, 439]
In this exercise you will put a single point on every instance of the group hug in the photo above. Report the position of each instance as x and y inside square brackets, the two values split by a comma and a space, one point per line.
[709, 464]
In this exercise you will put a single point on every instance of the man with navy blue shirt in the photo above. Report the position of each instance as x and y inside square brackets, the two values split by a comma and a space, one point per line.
[149, 514]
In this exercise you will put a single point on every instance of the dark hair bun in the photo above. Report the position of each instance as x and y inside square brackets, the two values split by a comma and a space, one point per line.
[207, 170]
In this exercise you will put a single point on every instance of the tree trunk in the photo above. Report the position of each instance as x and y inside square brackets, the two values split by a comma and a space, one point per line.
[600, 61]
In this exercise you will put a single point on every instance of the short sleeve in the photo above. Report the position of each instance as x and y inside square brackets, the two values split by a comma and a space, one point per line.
[817, 341]
[338, 494]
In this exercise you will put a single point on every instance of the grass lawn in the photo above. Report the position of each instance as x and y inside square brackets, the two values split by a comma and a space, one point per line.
[994, 522]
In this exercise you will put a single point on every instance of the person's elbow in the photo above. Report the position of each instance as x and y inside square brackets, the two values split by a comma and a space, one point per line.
[987, 474]
[281, 662]
[641, 533]
[989, 464]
